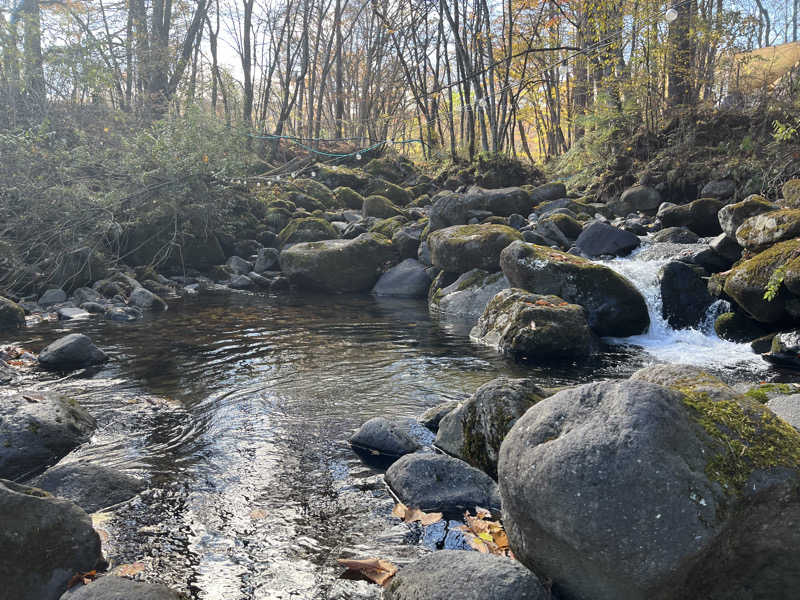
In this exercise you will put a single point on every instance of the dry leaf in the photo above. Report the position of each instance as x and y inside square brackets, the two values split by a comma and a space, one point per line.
[84, 578]
[410, 515]
[129, 570]
[258, 513]
[484, 534]
[375, 570]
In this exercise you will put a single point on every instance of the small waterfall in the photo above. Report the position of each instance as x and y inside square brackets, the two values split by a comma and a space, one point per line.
[699, 346]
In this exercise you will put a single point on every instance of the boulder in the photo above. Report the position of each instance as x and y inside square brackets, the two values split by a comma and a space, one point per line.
[466, 298]
[684, 294]
[85, 294]
[548, 231]
[409, 279]
[732, 216]
[449, 574]
[45, 542]
[438, 483]
[726, 247]
[631, 490]
[338, 265]
[349, 198]
[72, 314]
[569, 226]
[11, 315]
[37, 430]
[384, 437]
[785, 350]
[532, 327]
[614, 306]
[474, 431]
[335, 176]
[748, 281]
[602, 239]
[501, 202]
[120, 588]
[787, 408]
[92, 487]
[676, 235]
[406, 239]
[52, 296]
[396, 194]
[72, 351]
[380, 207]
[241, 282]
[547, 193]
[639, 198]
[769, 228]
[238, 265]
[307, 229]
[462, 248]
[791, 193]
[699, 216]
[736, 327]
[145, 299]
[267, 259]
[721, 189]
[432, 417]
[123, 314]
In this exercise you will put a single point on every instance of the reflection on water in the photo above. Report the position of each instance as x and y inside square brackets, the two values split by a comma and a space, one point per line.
[237, 409]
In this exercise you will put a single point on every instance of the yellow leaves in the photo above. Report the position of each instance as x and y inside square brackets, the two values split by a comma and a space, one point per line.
[84, 578]
[375, 570]
[258, 513]
[205, 158]
[484, 534]
[128, 570]
[412, 515]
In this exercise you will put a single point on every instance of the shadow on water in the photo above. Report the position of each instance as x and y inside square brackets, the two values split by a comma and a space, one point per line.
[237, 408]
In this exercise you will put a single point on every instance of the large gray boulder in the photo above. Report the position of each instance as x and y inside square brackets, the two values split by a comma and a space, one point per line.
[434, 482]
[388, 438]
[37, 430]
[466, 298]
[119, 588]
[547, 193]
[534, 327]
[450, 208]
[45, 541]
[787, 408]
[474, 431]
[699, 216]
[613, 305]
[52, 296]
[409, 279]
[785, 349]
[639, 198]
[92, 487]
[144, 298]
[769, 228]
[338, 265]
[721, 189]
[684, 294]
[464, 575]
[732, 216]
[602, 239]
[72, 351]
[630, 490]
[462, 248]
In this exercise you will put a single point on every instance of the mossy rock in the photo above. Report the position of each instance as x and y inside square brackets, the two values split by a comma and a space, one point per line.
[769, 228]
[571, 228]
[736, 327]
[398, 195]
[304, 201]
[388, 227]
[277, 218]
[316, 190]
[495, 220]
[308, 229]
[380, 207]
[461, 248]
[748, 281]
[791, 193]
[334, 176]
[390, 168]
[283, 203]
[12, 316]
[220, 272]
[422, 201]
[732, 216]
[348, 198]
[764, 392]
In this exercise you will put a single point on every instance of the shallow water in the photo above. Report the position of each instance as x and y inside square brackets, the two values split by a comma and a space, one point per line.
[237, 408]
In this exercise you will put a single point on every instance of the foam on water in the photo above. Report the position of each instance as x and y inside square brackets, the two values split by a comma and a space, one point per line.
[701, 346]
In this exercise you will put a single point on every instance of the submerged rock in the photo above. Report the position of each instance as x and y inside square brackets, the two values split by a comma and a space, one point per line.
[462, 248]
[72, 351]
[92, 487]
[534, 327]
[384, 437]
[474, 431]
[614, 306]
[464, 575]
[409, 279]
[785, 350]
[438, 483]
[119, 588]
[684, 294]
[45, 542]
[466, 298]
[634, 490]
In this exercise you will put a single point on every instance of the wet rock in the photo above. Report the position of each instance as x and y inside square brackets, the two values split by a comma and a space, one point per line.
[787, 408]
[348, 197]
[72, 351]
[721, 189]
[699, 216]
[409, 279]
[238, 265]
[635, 199]
[307, 229]
[762, 344]
[602, 239]
[474, 431]
[534, 327]
[676, 235]
[517, 221]
[791, 193]
[37, 430]
[547, 193]
[726, 247]
[462, 248]
[432, 417]
[380, 207]
[123, 314]
[45, 542]
[267, 259]
[241, 282]
[406, 240]
[259, 281]
[85, 294]
[338, 265]
[438, 483]
[549, 231]
[594, 472]
[384, 437]
[466, 575]
[120, 588]
[736, 327]
[72, 314]
[467, 297]
[145, 299]
[732, 216]
[613, 305]
[92, 487]
[11, 315]
[569, 226]
[785, 350]
[769, 228]
[684, 294]
[52, 296]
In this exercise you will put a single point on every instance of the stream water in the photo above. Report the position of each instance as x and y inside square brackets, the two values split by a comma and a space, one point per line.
[237, 407]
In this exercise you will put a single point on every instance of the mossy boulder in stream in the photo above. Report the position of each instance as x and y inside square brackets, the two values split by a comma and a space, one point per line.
[307, 229]
[474, 431]
[466, 298]
[613, 305]
[732, 216]
[791, 193]
[380, 207]
[338, 265]
[736, 327]
[348, 198]
[11, 315]
[769, 228]
[638, 490]
[398, 195]
[461, 248]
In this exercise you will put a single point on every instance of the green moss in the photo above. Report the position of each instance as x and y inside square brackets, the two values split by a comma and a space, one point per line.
[348, 198]
[388, 227]
[473, 280]
[758, 270]
[395, 193]
[748, 436]
[764, 392]
[307, 229]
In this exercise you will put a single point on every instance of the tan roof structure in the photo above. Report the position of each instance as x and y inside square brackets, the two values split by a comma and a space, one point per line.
[763, 68]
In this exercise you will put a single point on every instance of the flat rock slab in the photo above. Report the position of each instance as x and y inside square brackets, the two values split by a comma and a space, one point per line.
[119, 588]
[72, 351]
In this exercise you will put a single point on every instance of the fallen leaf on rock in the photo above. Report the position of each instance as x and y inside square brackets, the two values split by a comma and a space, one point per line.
[85, 578]
[128, 570]
[258, 513]
[484, 534]
[410, 515]
[375, 570]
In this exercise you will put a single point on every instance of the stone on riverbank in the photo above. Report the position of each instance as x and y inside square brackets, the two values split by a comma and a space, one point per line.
[307, 229]
[684, 294]
[11, 315]
[37, 430]
[438, 483]
[144, 298]
[769, 228]
[613, 305]
[119, 588]
[45, 541]
[72, 351]
[384, 437]
[466, 298]
[785, 350]
[380, 207]
[699, 216]
[432, 417]
[464, 575]
[602, 239]
[635, 199]
[409, 279]
[92, 487]
[462, 248]
[732, 216]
